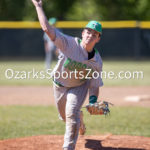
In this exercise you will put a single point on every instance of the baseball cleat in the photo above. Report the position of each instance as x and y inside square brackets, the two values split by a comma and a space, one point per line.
[82, 128]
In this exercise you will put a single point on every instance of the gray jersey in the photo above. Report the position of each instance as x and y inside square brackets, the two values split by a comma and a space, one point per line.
[51, 45]
[73, 57]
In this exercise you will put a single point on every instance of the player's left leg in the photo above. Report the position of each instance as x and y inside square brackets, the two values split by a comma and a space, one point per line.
[75, 99]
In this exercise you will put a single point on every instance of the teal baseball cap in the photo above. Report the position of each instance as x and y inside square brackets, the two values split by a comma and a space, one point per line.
[52, 21]
[95, 25]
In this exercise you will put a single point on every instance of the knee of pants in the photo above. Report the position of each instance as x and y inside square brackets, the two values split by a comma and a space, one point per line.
[61, 114]
[73, 115]
[63, 118]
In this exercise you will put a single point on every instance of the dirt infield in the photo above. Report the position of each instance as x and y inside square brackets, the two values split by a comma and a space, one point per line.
[30, 95]
[54, 142]
[43, 95]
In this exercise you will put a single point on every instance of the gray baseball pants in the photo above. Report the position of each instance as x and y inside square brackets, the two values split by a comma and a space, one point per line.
[69, 102]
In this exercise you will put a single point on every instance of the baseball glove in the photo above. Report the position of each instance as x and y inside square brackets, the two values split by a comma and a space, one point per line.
[98, 108]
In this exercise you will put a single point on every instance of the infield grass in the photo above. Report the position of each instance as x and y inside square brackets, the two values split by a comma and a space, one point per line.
[26, 68]
[23, 121]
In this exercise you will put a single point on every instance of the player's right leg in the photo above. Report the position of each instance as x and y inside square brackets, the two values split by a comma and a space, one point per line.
[60, 100]
[82, 128]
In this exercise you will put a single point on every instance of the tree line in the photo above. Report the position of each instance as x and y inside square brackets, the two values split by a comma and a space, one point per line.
[77, 10]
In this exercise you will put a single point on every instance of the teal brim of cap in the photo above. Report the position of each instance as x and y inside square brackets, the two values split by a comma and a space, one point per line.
[95, 25]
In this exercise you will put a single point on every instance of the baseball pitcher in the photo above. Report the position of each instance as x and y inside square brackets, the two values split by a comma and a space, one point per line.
[78, 61]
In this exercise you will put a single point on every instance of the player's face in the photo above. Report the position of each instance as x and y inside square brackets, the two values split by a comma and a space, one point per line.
[90, 36]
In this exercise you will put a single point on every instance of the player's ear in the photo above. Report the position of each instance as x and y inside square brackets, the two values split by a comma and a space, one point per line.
[83, 32]
[98, 39]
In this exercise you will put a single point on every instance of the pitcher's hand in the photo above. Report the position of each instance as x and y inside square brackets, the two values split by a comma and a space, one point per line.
[37, 3]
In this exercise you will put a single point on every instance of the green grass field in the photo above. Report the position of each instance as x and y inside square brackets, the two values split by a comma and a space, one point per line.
[25, 67]
[22, 121]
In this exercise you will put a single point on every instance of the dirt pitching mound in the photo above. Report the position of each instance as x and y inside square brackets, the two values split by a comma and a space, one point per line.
[55, 142]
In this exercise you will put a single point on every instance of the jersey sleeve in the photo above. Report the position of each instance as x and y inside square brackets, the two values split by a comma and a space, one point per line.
[64, 42]
[96, 80]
